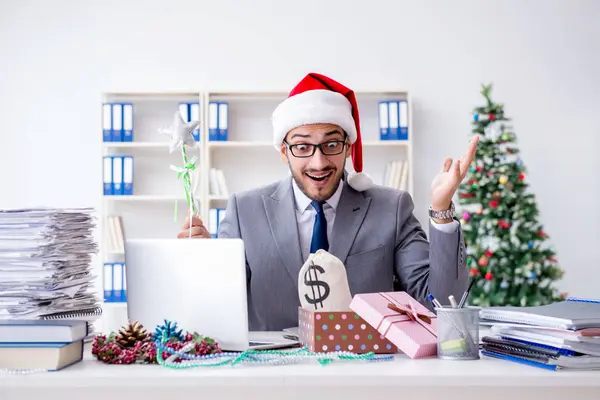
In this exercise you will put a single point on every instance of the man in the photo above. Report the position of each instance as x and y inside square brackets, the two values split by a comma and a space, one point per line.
[371, 229]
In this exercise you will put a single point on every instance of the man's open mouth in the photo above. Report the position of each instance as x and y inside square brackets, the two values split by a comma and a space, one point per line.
[320, 176]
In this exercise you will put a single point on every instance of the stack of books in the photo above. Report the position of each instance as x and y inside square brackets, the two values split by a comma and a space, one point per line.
[32, 345]
[45, 265]
[562, 335]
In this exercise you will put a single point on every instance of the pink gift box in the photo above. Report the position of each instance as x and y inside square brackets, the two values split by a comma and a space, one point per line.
[408, 324]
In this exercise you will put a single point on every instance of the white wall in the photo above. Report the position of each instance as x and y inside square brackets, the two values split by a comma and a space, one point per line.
[543, 57]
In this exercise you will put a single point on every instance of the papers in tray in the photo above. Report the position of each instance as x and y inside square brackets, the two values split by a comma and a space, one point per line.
[45, 264]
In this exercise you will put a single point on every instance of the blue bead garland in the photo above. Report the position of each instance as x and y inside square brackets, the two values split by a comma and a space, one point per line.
[257, 357]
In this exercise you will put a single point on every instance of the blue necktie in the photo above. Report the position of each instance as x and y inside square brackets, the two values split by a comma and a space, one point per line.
[319, 237]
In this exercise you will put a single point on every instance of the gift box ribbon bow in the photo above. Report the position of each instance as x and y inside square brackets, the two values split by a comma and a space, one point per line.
[410, 313]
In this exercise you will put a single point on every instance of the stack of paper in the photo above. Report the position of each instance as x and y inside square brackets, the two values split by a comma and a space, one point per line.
[45, 264]
[561, 335]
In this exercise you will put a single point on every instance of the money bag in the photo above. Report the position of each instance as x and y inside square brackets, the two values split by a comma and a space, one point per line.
[323, 283]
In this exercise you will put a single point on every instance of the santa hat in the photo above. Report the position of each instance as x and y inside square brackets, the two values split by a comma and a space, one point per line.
[317, 99]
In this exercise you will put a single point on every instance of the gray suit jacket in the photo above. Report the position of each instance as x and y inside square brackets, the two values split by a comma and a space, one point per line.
[375, 235]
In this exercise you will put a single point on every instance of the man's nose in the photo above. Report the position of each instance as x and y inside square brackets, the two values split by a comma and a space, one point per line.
[318, 160]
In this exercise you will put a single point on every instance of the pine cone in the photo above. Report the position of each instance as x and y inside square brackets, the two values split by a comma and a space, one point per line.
[132, 333]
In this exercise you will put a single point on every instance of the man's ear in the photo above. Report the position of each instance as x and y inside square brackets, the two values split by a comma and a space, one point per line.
[348, 149]
[283, 154]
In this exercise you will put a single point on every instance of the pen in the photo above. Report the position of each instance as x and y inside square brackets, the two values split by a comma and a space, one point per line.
[452, 301]
[466, 294]
[434, 301]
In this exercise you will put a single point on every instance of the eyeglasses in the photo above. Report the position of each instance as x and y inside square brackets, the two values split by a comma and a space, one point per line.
[305, 150]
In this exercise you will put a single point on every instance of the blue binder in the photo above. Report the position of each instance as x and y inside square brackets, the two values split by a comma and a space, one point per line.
[117, 175]
[384, 122]
[124, 295]
[107, 175]
[117, 122]
[127, 175]
[195, 116]
[117, 282]
[223, 125]
[393, 116]
[403, 120]
[128, 122]
[106, 122]
[108, 285]
[213, 121]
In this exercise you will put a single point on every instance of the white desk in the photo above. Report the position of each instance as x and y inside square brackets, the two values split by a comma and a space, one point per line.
[403, 378]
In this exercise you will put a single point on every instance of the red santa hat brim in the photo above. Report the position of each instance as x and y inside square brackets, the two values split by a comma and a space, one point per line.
[313, 107]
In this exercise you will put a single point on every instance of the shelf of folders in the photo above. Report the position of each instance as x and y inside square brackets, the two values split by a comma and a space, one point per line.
[393, 120]
[114, 271]
[118, 175]
[118, 120]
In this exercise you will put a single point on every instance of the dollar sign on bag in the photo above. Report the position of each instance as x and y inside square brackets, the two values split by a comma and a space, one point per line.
[320, 289]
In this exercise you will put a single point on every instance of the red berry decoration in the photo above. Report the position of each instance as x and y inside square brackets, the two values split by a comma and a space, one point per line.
[489, 276]
[541, 233]
[488, 253]
[483, 261]
[494, 203]
[478, 168]
[492, 117]
[142, 350]
[474, 271]
[522, 176]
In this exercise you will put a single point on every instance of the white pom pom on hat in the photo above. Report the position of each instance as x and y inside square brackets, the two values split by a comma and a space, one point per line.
[317, 99]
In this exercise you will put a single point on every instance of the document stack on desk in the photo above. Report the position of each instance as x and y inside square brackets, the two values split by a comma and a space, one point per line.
[45, 264]
[562, 335]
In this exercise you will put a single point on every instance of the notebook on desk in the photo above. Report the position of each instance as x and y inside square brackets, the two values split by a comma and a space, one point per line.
[570, 314]
[538, 355]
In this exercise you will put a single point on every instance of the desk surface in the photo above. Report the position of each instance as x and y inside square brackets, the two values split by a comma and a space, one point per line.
[401, 372]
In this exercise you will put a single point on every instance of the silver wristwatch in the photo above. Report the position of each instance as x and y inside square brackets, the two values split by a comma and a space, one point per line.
[445, 214]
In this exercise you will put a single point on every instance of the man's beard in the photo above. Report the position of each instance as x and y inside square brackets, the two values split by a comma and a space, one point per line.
[337, 179]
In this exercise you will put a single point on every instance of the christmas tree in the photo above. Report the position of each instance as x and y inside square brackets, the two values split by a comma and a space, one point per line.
[507, 248]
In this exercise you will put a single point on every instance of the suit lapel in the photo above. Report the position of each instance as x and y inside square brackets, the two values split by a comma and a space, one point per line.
[281, 215]
[349, 216]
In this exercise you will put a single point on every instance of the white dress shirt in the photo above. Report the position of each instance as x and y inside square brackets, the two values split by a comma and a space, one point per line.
[305, 217]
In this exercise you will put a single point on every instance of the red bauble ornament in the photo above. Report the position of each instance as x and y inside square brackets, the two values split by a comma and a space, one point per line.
[541, 233]
[493, 204]
[503, 224]
[489, 276]
[483, 261]
[474, 271]
[521, 176]
[478, 168]
[492, 117]
[488, 253]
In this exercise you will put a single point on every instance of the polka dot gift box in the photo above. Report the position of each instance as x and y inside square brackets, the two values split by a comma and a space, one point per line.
[325, 331]
[400, 319]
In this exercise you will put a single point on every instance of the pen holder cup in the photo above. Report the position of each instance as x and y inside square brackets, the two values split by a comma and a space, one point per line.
[457, 333]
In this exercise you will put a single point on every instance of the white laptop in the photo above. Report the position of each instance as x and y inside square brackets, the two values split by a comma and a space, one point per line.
[198, 283]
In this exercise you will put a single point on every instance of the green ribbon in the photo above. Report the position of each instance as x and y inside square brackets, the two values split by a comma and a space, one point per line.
[183, 173]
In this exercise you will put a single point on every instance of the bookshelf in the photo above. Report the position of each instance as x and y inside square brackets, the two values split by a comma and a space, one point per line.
[247, 160]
